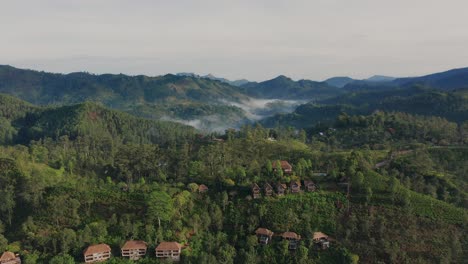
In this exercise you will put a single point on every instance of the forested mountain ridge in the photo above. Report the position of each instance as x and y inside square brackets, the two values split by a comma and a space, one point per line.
[283, 87]
[163, 97]
[445, 81]
[448, 80]
[419, 100]
[111, 89]
[212, 105]
[85, 119]
[339, 82]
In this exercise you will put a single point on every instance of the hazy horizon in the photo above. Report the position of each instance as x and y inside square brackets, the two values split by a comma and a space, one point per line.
[257, 40]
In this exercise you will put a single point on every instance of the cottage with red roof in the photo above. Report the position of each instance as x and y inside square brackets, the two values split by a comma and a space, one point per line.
[97, 253]
[321, 240]
[134, 249]
[295, 186]
[285, 166]
[9, 258]
[281, 189]
[170, 250]
[309, 186]
[264, 235]
[256, 191]
[268, 189]
[293, 239]
[202, 188]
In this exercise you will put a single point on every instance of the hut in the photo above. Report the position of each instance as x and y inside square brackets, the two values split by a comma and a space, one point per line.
[256, 191]
[169, 250]
[264, 235]
[309, 186]
[97, 253]
[134, 249]
[268, 189]
[281, 189]
[321, 239]
[10, 258]
[285, 166]
[202, 188]
[295, 186]
[293, 239]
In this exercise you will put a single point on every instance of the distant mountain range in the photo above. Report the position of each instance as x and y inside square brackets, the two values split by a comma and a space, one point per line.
[419, 100]
[283, 87]
[448, 80]
[210, 102]
[212, 77]
[341, 82]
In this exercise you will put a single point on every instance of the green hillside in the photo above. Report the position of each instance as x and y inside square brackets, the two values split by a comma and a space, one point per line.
[168, 96]
[418, 100]
[85, 174]
[82, 120]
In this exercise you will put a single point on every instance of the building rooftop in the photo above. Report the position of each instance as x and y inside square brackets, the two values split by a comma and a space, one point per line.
[202, 188]
[135, 244]
[319, 235]
[284, 165]
[291, 235]
[169, 246]
[93, 249]
[263, 231]
[7, 256]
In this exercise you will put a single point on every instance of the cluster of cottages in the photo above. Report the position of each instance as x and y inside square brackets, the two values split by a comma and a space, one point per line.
[265, 236]
[282, 188]
[278, 189]
[134, 250]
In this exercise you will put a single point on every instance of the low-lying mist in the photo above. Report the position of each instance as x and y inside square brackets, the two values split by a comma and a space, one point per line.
[253, 110]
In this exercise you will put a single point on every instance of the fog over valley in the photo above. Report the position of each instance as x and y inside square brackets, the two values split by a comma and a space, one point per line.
[252, 109]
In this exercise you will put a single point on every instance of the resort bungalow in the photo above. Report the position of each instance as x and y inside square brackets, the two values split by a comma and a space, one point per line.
[293, 239]
[268, 189]
[256, 191]
[264, 235]
[134, 249]
[202, 188]
[309, 186]
[285, 166]
[295, 186]
[281, 189]
[321, 240]
[97, 253]
[9, 258]
[169, 250]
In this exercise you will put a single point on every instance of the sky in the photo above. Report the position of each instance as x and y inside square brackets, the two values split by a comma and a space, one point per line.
[253, 39]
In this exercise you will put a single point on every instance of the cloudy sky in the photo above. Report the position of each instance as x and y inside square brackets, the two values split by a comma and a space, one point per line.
[254, 39]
